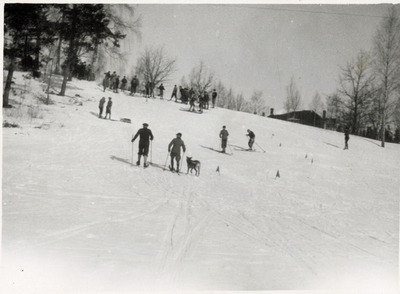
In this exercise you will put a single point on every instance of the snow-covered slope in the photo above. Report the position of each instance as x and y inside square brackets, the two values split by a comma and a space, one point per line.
[78, 216]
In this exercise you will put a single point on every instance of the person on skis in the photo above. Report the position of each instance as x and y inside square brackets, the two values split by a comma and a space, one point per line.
[224, 138]
[101, 106]
[145, 136]
[252, 138]
[174, 148]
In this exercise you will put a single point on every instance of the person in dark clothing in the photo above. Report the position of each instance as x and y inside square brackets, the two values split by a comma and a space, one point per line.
[145, 136]
[123, 83]
[161, 88]
[251, 140]
[147, 89]
[108, 108]
[206, 100]
[224, 138]
[192, 99]
[116, 84]
[214, 98]
[106, 80]
[174, 92]
[151, 89]
[134, 84]
[112, 80]
[175, 151]
[101, 106]
[346, 139]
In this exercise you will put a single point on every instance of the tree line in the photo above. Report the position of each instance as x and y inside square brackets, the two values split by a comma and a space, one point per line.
[60, 36]
[367, 99]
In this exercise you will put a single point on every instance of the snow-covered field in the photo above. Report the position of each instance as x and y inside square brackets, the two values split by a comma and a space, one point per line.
[78, 217]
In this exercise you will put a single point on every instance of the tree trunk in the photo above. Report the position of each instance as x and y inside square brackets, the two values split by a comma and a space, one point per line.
[71, 54]
[383, 130]
[65, 74]
[7, 87]
[58, 56]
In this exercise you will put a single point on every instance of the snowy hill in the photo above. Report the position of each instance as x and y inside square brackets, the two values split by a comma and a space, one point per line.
[78, 216]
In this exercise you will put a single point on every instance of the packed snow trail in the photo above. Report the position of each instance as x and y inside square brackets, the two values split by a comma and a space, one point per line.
[76, 210]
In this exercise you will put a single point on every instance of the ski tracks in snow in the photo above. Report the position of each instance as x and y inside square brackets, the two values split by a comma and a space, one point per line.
[184, 230]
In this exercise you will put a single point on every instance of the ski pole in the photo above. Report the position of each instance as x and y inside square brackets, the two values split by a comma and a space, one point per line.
[260, 147]
[230, 148]
[132, 154]
[166, 160]
[151, 151]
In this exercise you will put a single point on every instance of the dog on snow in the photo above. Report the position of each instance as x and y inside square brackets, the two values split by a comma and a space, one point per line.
[193, 165]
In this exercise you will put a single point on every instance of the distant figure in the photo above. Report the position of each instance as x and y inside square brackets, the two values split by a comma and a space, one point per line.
[206, 100]
[251, 140]
[108, 108]
[224, 138]
[175, 148]
[214, 97]
[112, 80]
[106, 81]
[145, 136]
[346, 138]
[174, 92]
[116, 84]
[161, 88]
[124, 81]
[192, 100]
[147, 89]
[101, 106]
[134, 84]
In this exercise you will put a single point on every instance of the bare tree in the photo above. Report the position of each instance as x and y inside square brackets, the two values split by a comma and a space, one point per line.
[387, 66]
[356, 88]
[201, 78]
[293, 98]
[155, 66]
[257, 102]
[316, 103]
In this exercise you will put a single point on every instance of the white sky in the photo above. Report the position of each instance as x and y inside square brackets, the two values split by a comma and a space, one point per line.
[259, 47]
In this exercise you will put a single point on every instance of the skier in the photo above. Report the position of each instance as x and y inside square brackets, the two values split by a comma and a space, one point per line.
[145, 136]
[101, 106]
[251, 140]
[174, 91]
[161, 88]
[214, 98]
[108, 108]
[175, 148]
[224, 138]
[346, 138]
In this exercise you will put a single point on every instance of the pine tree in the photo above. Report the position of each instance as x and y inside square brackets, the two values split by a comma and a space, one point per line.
[84, 25]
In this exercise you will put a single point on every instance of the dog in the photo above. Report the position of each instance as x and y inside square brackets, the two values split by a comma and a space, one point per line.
[193, 165]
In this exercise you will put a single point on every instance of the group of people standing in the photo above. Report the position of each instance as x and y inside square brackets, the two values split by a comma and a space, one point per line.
[192, 96]
[108, 107]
